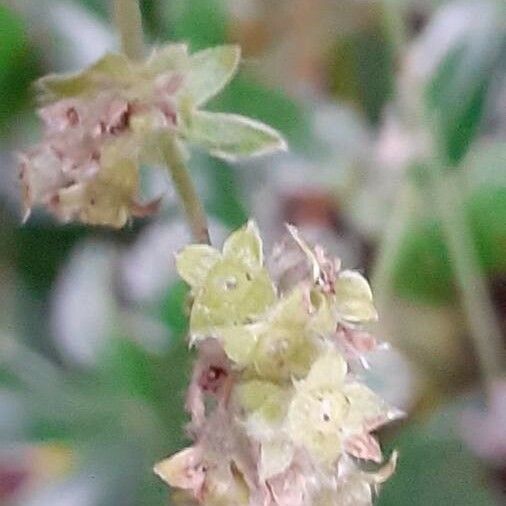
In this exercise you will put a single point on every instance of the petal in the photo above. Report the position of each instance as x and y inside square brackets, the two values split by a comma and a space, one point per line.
[232, 295]
[307, 250]
[239, 343]
[262, 397]
[327, 372]
[364, 446]
[232, 137]
[290, 488]
[292, 310]
[194, 262]
[275, 458]
[209, 72]
[245, 246]
[142, 210]
[111, 68]
[166, 59]
[314, 422]
[366, 408]
[386, 471]
[353, 297]
[183, 470]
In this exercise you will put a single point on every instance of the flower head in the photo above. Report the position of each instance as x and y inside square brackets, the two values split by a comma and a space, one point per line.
[101, 124]
[285, 422]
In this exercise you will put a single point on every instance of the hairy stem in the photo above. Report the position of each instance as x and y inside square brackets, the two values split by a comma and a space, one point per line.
[128, 19]
[190, 200]
[483, 326]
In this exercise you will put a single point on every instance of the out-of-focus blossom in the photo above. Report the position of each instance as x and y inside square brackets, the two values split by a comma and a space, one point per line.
[484, 431]
[101, 124]
[26, 470]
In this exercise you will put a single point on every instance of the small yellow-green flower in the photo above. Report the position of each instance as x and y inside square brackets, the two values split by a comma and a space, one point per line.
[326, 411]
[284, 344]
[231, 288]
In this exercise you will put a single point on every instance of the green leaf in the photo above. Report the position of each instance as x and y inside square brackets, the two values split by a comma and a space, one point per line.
[39, 251]
[232, 137]
[168, 58]
[203, 23]
[272, 106]
[225, 200]
[423, 270]
[487, 215]
[457, 92]
[18, 66]
[126, 367]
[486, 204]
[363, 68]
[210, 70]
[195, 261]
[173, 308]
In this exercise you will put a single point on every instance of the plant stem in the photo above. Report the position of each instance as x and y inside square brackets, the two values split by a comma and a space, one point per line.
[386, 259]
[393, 21]
[128, 19]
[186, 190]
[484, 328]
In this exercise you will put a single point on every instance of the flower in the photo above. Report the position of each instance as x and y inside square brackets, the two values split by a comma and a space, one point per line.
[284, 343]
[100, 125]
[278, 418]
[349, 293]
[328, 415]
[229, 288]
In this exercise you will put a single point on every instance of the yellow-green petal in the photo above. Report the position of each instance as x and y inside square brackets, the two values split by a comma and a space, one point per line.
[328, 371]
[231, 295]
[169, 58]
[275, 457]
[353, 297]
[263, 399]
[194, 262]
[365, 406]
[245, 246]
[314, 421]
[239, 343]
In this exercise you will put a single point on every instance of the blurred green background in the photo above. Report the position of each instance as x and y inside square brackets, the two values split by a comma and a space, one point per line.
[369, 94]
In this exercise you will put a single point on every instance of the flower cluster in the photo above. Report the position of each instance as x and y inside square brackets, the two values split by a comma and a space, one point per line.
[102, 124]
[279, 416]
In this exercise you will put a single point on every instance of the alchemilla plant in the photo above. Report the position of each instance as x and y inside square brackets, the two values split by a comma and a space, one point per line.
[278, 413]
